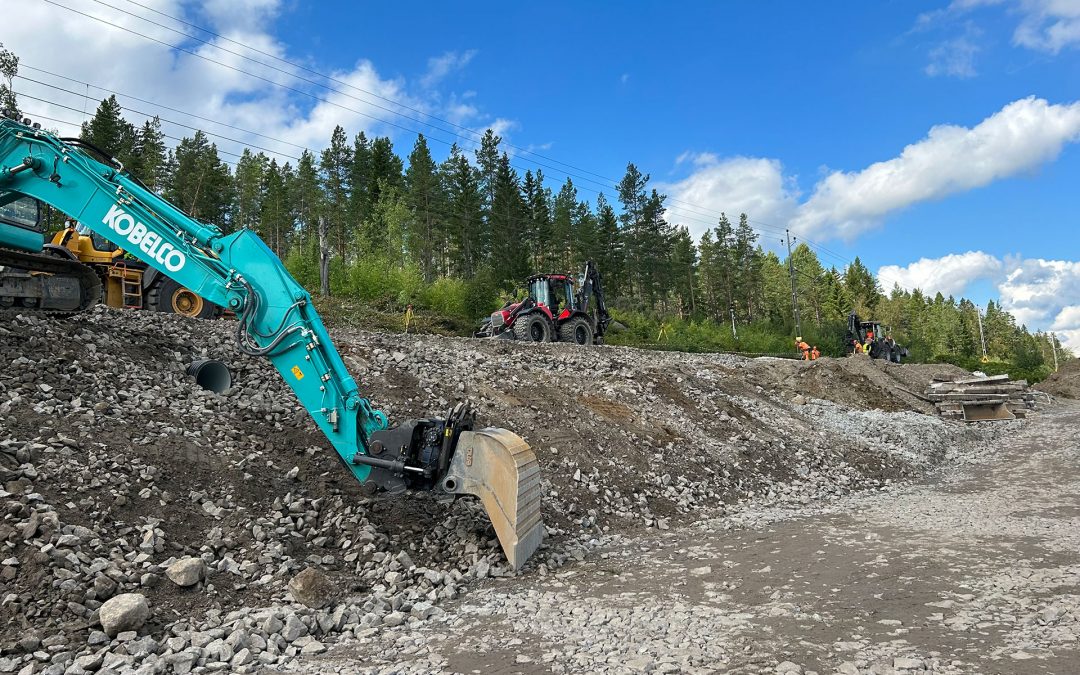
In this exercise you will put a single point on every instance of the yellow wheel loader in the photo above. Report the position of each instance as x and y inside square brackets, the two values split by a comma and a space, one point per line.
[126, 281]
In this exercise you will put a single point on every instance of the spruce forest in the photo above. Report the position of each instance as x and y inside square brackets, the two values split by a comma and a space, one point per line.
[457, 237]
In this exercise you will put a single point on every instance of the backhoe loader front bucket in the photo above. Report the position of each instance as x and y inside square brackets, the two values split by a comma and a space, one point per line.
[501, 469]
[980, 412]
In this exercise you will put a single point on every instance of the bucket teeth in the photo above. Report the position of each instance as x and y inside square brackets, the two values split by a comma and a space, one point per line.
[501, 469]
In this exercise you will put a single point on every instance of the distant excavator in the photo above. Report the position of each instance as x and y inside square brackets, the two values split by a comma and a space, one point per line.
[558, 308]
[877, 335]
[275, 319]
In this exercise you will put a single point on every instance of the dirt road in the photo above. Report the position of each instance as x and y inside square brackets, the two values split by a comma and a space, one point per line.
[974, 571]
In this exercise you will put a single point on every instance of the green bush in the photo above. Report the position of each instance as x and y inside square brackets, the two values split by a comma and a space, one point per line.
[386, 285]
[446, 296]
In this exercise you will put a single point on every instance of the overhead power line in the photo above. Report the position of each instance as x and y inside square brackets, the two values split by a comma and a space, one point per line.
[610, 184]
[42, 116]
[336, 80]
[163, 119]
[158, 105]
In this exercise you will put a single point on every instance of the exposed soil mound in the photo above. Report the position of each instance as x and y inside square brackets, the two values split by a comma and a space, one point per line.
[1065, 382]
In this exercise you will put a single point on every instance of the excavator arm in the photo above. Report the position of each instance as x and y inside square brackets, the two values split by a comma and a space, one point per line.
[276, 319]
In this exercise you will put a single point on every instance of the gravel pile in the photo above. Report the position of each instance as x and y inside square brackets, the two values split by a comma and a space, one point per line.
[1065, 382]
[149, 525]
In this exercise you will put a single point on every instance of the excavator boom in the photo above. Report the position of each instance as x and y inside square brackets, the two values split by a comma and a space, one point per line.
[275, 319]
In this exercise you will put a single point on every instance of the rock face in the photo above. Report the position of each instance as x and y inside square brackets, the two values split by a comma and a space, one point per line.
[186, 572]
[127, 611]
[311, 588]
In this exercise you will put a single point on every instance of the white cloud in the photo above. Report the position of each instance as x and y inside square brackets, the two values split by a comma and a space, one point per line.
[736, 185]
[441, 66]
[949, 275]
[240, 15]
[124, 62]
[951, 159]
[1044, 25]
[1035, 291]
[954, 58]
[1038, 291]
[1048, 25]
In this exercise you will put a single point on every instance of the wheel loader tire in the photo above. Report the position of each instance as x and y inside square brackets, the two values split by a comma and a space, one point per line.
[533, 327]
[165, 295]
[576, 331]
[896, 354]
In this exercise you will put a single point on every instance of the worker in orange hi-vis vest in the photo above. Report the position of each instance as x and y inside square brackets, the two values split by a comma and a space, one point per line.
[815, 354]
[803, 348]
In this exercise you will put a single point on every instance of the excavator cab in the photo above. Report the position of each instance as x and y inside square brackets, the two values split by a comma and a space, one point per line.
[23, 215]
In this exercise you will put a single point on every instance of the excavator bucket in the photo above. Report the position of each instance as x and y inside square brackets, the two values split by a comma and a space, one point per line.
[501, 469]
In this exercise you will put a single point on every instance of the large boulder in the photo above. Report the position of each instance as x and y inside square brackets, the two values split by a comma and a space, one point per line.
[127, 611]
[311, 588]
[186, 571]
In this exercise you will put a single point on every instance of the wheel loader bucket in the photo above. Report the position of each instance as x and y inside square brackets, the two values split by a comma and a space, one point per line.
[979, 412]
[501, 469]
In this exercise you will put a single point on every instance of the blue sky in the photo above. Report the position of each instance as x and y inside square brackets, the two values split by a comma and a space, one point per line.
[799, 113]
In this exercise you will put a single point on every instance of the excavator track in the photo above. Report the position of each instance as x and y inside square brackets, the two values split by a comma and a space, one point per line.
[45, 284]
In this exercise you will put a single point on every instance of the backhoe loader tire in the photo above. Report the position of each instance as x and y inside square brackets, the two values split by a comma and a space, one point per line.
[165, 295]
[576, 331]
[533, 327]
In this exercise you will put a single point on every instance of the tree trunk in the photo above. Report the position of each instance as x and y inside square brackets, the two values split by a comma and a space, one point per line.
[324, 260]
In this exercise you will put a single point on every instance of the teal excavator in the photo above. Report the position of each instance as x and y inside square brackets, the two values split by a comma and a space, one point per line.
[275, 318]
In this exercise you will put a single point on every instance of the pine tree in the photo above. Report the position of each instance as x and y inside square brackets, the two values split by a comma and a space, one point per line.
[150, 161]
[307, 198]
[425, 235]
[561, 245]
[276, 215]
[633, 198]
[746, 259]
[464, 203]
[537, 229]
[683, 272]
[249, 182]
[335, 166]
[862, 287]
[386, 169]
[361, 179]
[509, 252]
[609, 254]
[201, 183]
[109, 131]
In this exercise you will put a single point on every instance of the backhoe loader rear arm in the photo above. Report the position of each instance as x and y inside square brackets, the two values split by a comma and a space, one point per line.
[277, 319]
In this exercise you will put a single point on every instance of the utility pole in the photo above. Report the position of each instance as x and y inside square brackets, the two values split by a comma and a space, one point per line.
[731, 310]
[794, 291]
[982, 338]
[1053, 346]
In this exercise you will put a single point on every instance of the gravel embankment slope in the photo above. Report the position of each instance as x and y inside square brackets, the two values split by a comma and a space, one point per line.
[115, 466]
